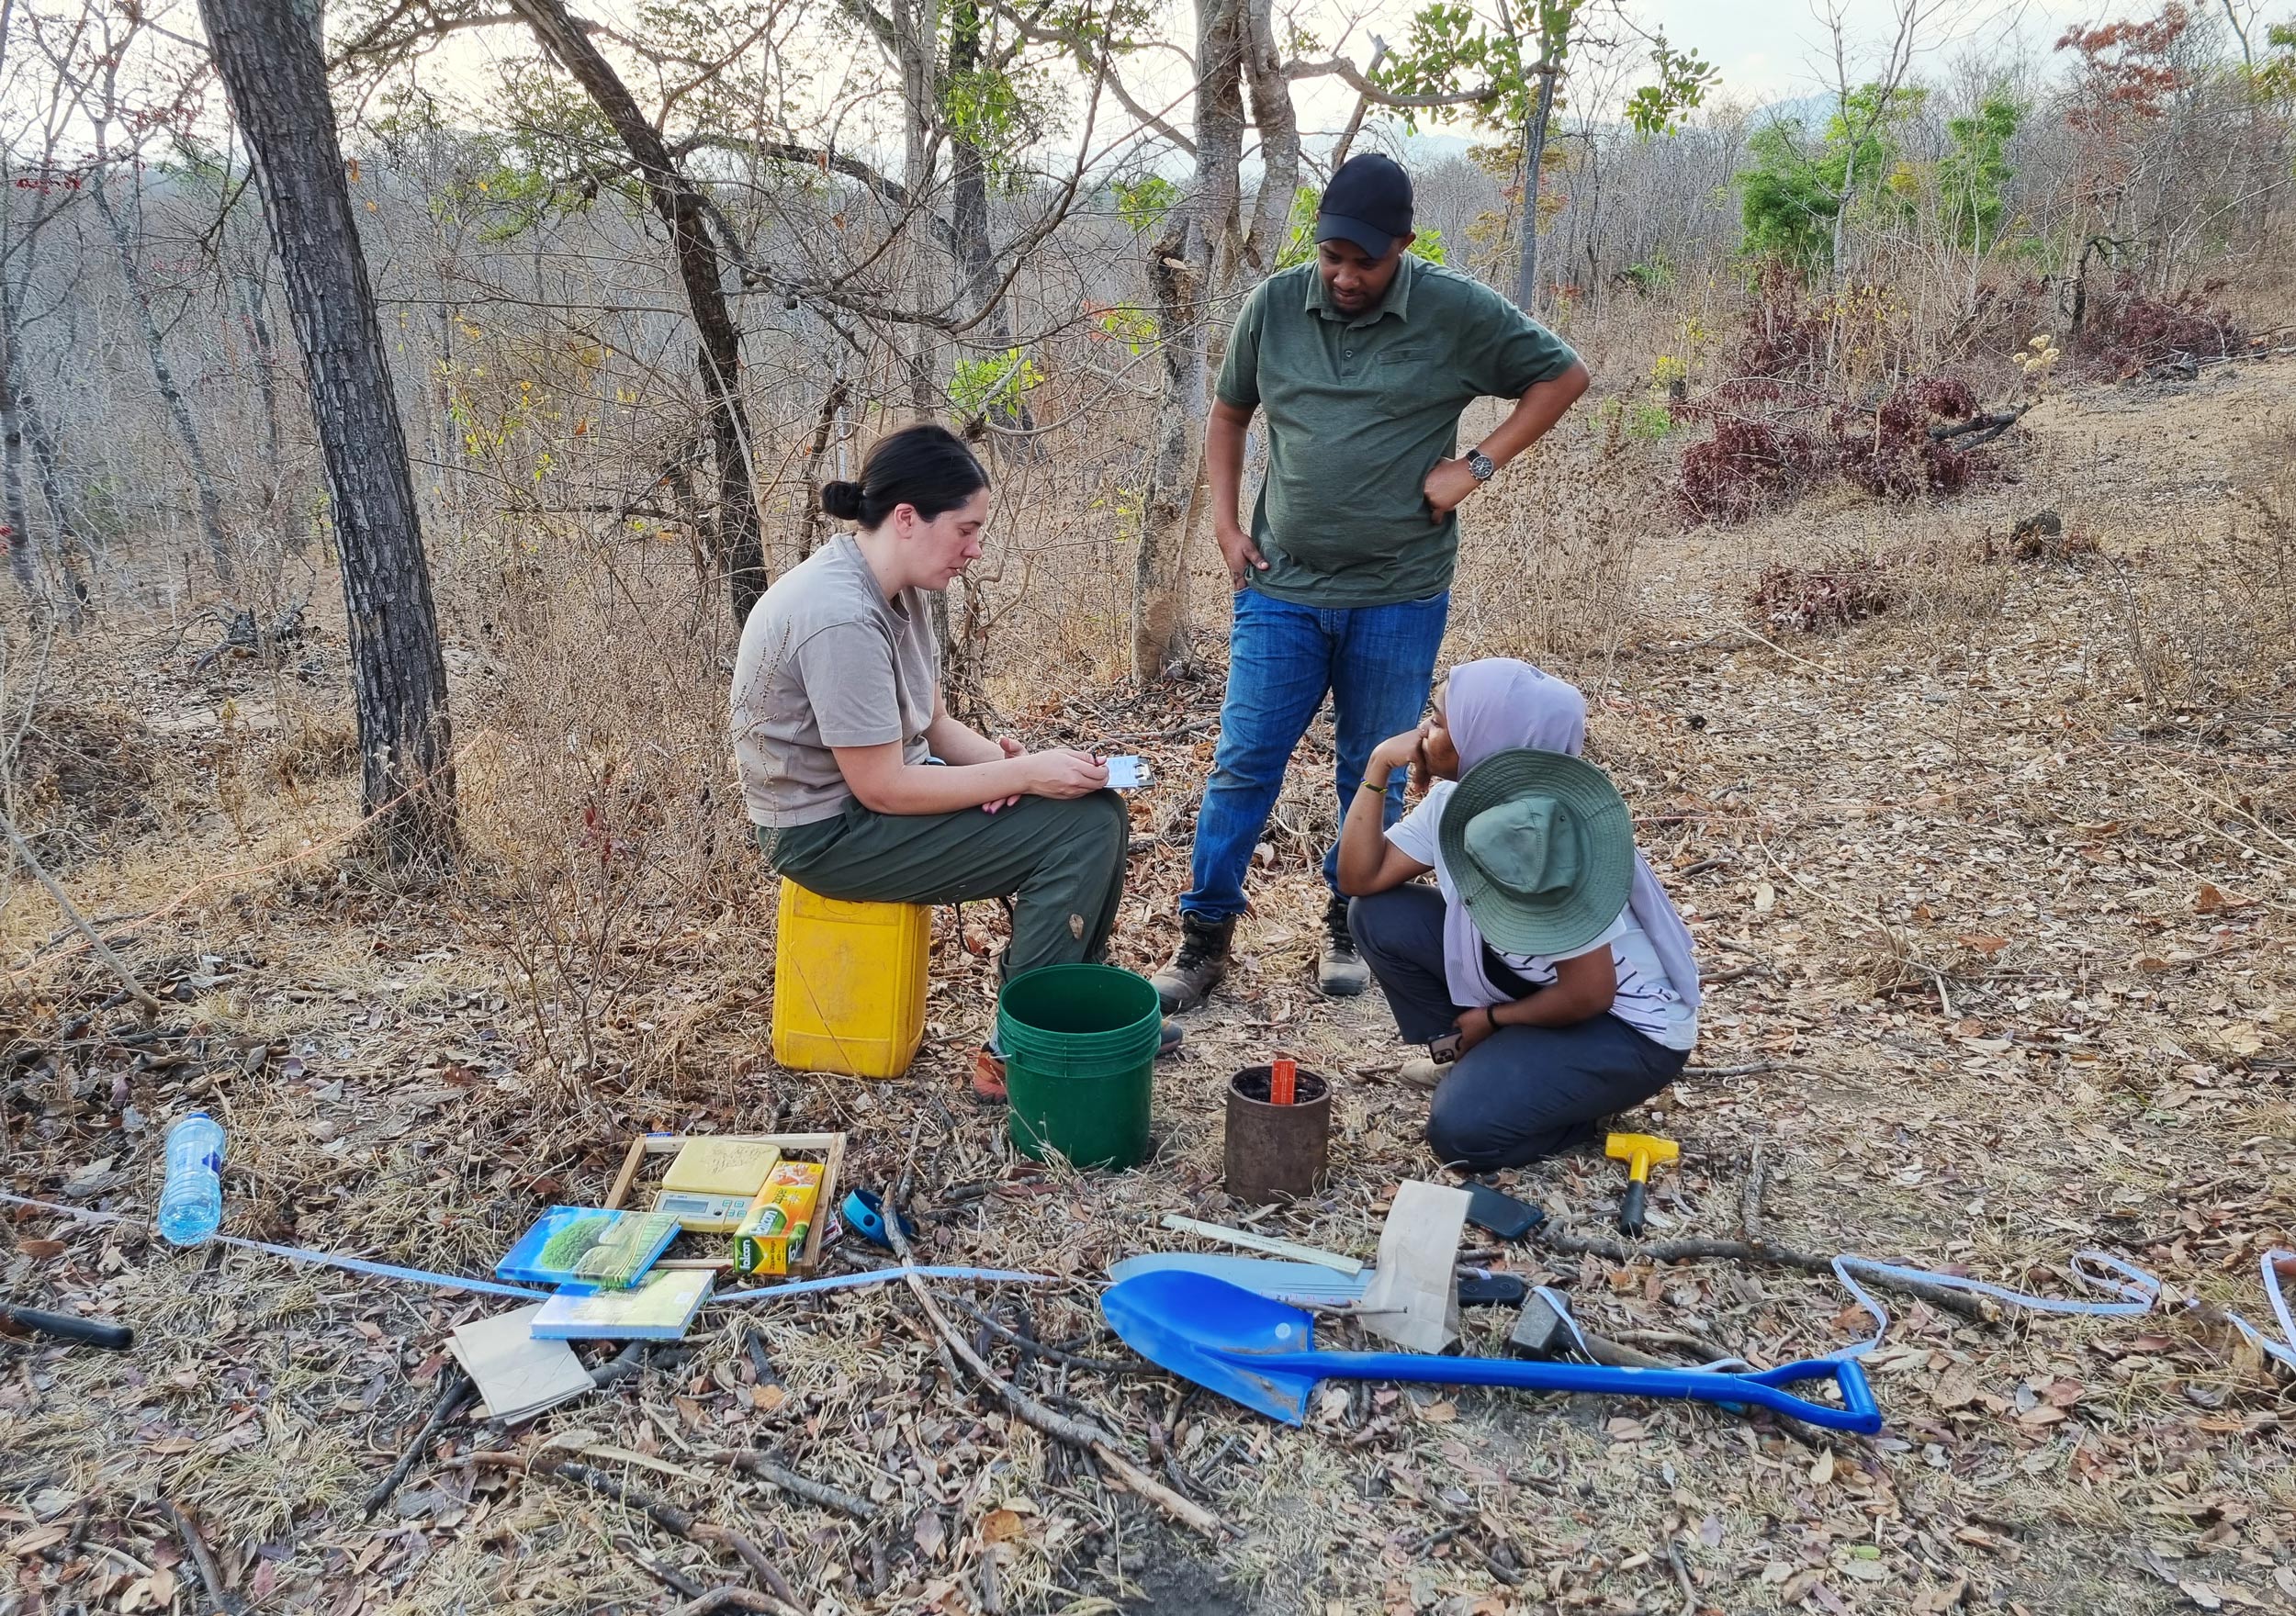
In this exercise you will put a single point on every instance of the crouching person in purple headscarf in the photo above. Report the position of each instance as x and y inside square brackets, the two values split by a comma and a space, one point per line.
[1546, 971]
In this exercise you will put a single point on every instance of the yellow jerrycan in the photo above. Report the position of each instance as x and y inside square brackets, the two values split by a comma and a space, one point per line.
[849, 984]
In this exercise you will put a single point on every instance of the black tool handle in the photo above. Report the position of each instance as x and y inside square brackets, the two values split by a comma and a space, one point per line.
[1630, 1209]
[67, 1326]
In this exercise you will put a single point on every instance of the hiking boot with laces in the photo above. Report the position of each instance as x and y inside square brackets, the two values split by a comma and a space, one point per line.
[1196, 969]
[1340, 973]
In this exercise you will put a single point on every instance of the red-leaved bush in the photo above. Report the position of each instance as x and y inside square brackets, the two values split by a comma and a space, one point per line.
[1746, 467]
[1786, 335]
[2127, 328]
[1889, 450]
[1813, 599]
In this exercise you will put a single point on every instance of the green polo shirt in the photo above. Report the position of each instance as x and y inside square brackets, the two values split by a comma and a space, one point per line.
[1359, 409]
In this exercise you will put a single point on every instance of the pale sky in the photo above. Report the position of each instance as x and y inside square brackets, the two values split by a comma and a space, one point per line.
[1766, 49]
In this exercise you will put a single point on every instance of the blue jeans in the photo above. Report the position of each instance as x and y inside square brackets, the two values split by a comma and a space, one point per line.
[1377, 664]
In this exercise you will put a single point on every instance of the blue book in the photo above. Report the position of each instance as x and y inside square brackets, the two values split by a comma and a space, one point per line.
[659, 1308]
[589, 1248]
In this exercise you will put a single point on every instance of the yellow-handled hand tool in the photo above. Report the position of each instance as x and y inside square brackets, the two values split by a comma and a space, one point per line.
[1641, 1152]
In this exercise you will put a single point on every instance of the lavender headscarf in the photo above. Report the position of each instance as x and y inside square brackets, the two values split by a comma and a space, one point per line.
[1498, 703]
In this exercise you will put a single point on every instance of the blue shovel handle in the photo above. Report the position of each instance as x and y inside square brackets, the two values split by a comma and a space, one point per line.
[1858, 1412]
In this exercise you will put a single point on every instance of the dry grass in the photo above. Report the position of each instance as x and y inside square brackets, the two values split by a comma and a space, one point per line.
[1999, 882]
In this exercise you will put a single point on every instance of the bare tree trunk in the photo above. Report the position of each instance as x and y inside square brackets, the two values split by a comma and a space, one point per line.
[1278, 124]
[1534, 159]
[809, 528]
[21, 561]
[72, 533]
[164, 378]
[251, 298]
[917, 46]
[968, 207]
[269, 56]
[740, 543]
[1180, 271]
[968, 174]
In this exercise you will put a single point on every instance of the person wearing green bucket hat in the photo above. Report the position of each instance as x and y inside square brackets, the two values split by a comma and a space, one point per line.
[1549, 974]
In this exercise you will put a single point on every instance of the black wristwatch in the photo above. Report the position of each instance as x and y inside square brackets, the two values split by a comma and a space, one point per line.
[1482, 464]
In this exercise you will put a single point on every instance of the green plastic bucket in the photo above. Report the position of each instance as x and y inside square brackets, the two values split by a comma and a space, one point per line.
[1080, 1058]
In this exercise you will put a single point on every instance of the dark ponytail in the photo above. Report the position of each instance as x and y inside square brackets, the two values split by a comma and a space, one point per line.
[925, 466]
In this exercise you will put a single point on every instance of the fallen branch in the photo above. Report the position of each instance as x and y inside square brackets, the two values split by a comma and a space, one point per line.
[1036, 1349]
[1682, 1577]
[454, 1391]
[1958, 1303]
[731, 1598]
[1988, 426]
[753, 1343]
[222, 1597]
[1708, 1352]
[1075, 1434]
[805, 1487]
[62, 900]
[684, 1587]
[1749, 1198]
[678, 1524]
[629, 1361]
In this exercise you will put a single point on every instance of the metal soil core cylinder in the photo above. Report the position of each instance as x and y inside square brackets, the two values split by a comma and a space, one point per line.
[1276, 1152]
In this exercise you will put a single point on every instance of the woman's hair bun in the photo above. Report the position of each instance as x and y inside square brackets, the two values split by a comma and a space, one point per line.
[842, 499]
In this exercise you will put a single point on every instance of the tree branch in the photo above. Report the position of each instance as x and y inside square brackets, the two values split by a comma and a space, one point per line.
[1093, 53]
[1339, 67]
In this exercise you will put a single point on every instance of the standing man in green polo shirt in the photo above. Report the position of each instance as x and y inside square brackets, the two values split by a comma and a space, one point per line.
[1362, 359]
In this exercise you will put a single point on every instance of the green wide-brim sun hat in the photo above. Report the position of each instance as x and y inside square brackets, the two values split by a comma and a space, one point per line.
[1541, 849]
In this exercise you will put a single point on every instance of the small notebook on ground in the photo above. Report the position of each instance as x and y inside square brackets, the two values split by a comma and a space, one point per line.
[588, 1247]
[517, 1376]
[660, 1308]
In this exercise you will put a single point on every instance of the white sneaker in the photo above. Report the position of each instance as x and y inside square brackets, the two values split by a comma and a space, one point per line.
[1422, 1073]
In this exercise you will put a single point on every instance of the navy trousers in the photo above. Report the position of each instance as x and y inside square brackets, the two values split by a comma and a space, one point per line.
[1524, 1092]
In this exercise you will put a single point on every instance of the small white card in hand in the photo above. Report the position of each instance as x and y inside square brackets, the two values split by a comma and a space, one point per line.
[1126, 773]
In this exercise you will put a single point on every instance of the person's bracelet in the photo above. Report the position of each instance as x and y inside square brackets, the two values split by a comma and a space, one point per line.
[1380, 786]
[1490, 1016]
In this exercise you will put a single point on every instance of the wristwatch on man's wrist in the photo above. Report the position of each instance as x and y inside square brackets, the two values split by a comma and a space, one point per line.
[1482, 466]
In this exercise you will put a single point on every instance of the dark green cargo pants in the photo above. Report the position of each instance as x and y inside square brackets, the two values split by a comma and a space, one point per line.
[1062, 863]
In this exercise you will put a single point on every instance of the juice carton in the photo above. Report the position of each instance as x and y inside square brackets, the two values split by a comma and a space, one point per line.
[779, 1219]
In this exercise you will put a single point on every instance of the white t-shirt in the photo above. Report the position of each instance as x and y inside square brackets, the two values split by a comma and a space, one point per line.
[1645, 1001]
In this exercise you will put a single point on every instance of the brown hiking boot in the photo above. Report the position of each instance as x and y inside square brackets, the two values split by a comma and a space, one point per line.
[1196, 969]
[1340, 973]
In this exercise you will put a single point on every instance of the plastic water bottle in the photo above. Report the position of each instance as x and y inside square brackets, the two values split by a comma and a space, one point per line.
[191, 1204]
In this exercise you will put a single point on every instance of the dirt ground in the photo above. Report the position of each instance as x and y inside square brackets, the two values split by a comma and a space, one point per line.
[1993, 892]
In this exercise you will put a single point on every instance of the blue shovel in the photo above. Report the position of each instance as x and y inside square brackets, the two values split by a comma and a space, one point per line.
[1261, 1353]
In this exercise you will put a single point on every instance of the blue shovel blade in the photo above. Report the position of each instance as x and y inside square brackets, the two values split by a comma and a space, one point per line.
[1262, 1353]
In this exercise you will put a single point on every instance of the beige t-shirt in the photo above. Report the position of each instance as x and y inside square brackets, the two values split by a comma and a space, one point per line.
[828, 661]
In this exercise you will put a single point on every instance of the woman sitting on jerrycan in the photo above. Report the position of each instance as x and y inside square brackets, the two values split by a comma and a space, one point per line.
[1547, 969]
[859, 784]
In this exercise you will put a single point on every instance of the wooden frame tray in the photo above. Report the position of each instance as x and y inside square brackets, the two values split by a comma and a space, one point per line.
[830, 1146]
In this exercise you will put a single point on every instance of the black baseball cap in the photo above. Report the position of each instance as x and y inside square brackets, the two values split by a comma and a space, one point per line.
[1367, 202]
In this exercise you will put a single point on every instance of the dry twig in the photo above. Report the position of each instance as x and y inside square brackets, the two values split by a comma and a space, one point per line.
[678, 1524]
[805, 1487]
[1036, 1349]
[732, 1597]
[1682, 1577]
[149, 1006]
[1075, 1434]
[454, 1391]
[683, 1587]
[1958, 1303]
[222, 1598]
